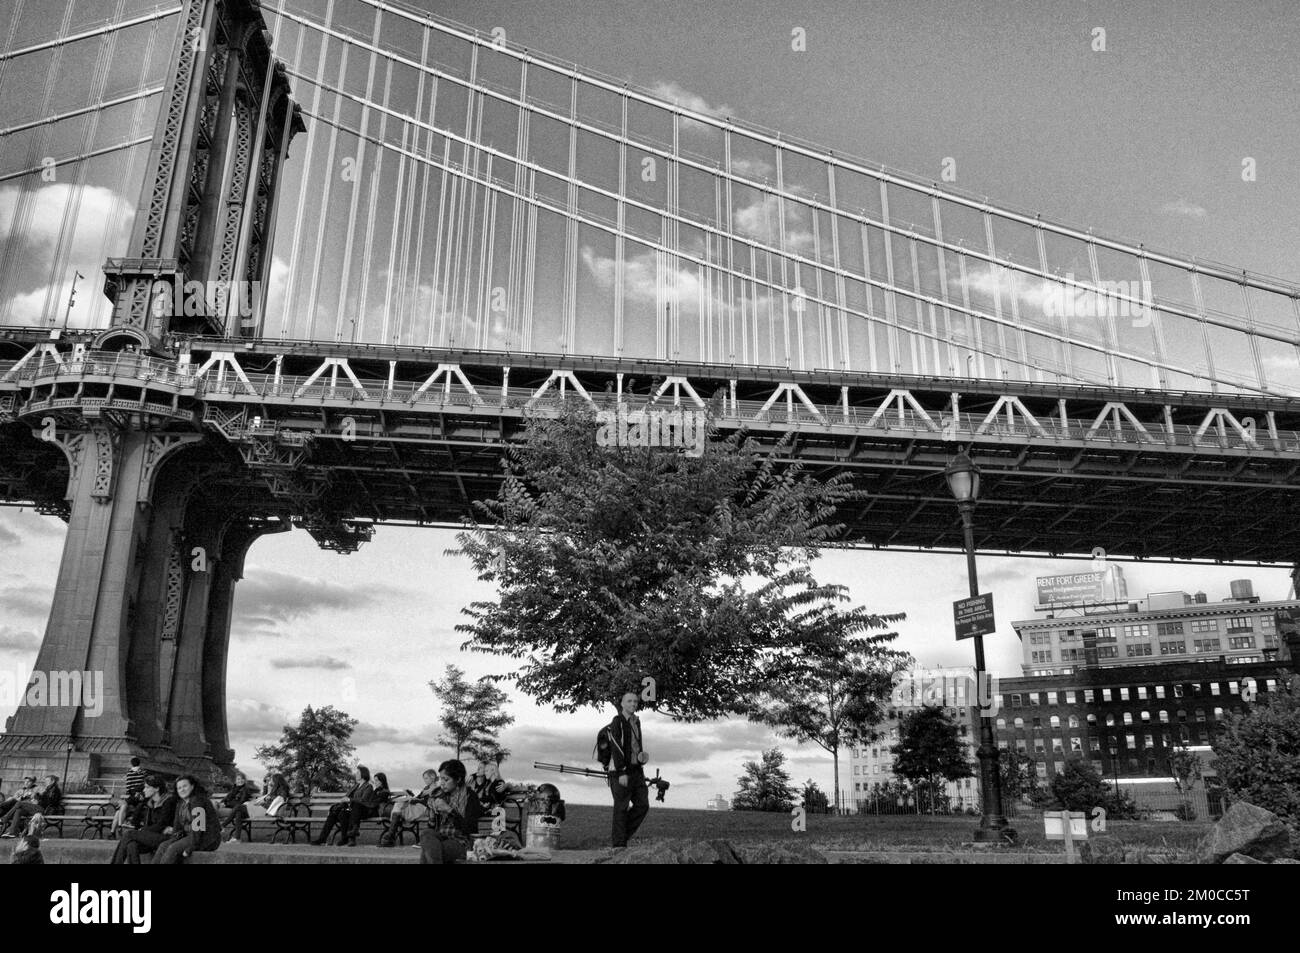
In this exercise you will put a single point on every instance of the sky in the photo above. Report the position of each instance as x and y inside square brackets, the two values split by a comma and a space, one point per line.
[1144, 141]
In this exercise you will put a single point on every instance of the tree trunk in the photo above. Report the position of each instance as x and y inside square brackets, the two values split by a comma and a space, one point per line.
[835, 757]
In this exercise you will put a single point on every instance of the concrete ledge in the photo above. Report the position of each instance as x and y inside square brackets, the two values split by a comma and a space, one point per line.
[68, 851]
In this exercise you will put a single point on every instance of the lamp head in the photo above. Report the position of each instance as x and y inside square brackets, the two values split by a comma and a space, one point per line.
[963, 478]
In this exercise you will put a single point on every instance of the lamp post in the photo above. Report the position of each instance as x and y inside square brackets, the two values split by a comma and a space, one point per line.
[964, 481]
[66, 761]
[1113, 748]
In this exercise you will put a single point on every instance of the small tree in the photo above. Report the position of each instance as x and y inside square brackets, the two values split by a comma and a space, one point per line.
[1258, 754]
[1185, 768]
[836, 699]
[1019, 776]
[316, 751]
[814, 798]
[765, 785]
[1079, 787]
[471, 713]
[930, 750]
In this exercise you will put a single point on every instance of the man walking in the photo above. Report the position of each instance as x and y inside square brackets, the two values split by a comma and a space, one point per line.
[624, 758]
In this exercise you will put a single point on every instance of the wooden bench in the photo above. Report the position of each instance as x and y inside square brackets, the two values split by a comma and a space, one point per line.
[93, 811]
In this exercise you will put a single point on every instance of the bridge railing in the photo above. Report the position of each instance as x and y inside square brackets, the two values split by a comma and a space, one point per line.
[781, 413]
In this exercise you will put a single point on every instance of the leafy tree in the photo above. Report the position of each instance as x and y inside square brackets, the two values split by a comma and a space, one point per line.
[1185, 768]
[1019, 776]
[1080, 787]
[613, 563]
[1258, 754]
[316, 751]
[814, 798]
[488, 751]
[835, 700]
[765, 785]
[471, 713]
[930, 750]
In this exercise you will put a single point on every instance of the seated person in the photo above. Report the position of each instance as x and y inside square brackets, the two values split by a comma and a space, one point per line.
[366, 807]
[488, 786]
[195, 826]
[338, 813]
[133, 795]
[48, 800]
[453, 819]
[409, 808]
[232, 808]
[27, 792]
[148, 824]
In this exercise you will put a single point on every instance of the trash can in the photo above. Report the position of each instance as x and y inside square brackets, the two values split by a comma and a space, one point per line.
[545, 818]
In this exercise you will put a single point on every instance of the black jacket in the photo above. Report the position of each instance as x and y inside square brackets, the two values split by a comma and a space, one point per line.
[156, 819]
[210, 837]
[51, 801]
[620, 746]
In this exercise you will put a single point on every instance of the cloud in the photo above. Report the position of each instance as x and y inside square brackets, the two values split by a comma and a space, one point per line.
[248, 716]
[267, 599]
[666, 743]
[752, 168]
[26, 602]
[326, 662]
[18, 640]
[686, 99]
[367, 733]
[1184, 208]
[8, 537]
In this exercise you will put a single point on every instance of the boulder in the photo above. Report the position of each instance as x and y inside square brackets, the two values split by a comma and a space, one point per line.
[715, 852]
[1249, 830]
[1286, 860]
[1242, 859]
[779, 854]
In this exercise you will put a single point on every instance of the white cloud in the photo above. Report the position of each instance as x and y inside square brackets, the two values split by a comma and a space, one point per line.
[688, 100]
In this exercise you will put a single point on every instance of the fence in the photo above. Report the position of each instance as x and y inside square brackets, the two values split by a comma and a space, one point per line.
[1196, 805]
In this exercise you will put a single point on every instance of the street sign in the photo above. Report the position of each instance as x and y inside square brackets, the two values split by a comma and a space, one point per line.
[974, 616]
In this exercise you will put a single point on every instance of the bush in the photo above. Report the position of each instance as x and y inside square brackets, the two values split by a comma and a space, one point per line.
[1258, 755]
[1080, 788]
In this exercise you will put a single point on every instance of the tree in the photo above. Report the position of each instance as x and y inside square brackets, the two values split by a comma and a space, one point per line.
[814, 798]
[1019, 776]
[488, 751]
[1258, 754]
[613, 564]
[835, 699]
[929, 750]
[1185, 768]
[471, 713]
[1080, 787]
[316, 750]
[765, 785]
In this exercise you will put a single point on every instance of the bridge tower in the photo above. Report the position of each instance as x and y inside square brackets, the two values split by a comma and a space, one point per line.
[133, 662]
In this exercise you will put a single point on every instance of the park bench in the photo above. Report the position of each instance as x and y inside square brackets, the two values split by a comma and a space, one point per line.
[93, 811]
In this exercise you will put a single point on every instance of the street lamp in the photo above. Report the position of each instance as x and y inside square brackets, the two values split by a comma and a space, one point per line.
[66, 761]
[964, 481]
[1113, 747]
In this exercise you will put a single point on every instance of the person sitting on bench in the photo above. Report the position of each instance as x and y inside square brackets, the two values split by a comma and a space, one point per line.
[195, 825]
[148, 822]
[133, 796]
[338, 813]
[409, 808]
[366, 807]
[453, 818]
[25, 793]
[233, 807]
[488, 785]
[48, 800]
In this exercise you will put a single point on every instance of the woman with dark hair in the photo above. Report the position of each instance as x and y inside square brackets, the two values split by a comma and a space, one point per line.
[233, 809]
[453, 819]
[338, 813]
[147, 823]
[195, 826]
[366, 806]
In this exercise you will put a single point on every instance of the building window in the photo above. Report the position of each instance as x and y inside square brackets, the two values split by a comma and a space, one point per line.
[1071, 698]
[1072, 655]
[1169, 628]
[1137, 631]
[1045, 655]
[1092, 718]
[1234, 687]
[1015, 699]
[1242, 642]
[1200, 714]
[1002, 723]
[1139, 649]
[1051, 698]
[1021, 745]
[1106, 635]
[1040, 638]
[1039, 745]
[1057, 746]
[1218, 714]
[1123, 694]
[1173, 648]
[1266, 623]
[1205, 625]
[1128, 718]
[1145, 716]
[1019, 723]
[1110, 719]
[1130, 741]
[1150, 742]
[1076, 745]
[1107, 651]
[1074, 721]
[1088, 696]
[1214, 688]
[1241, 623]
[1142, 692]
[1105, 694]
[1094, 744]
[1033, 698]
[1038, 722]
[1182, 714]
[1160, 691]
[1206, 645]
[1178, 691]
[1040, 769]
[1056, 721]
[1164, 717]
[856, 772]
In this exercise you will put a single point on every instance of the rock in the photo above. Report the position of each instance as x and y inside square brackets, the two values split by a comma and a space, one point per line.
[779, 854]
[1286, 860]
[677, 852]
[1242, 859]
[1245, 829]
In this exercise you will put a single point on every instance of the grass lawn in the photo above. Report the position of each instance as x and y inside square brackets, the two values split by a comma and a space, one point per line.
[588, 827]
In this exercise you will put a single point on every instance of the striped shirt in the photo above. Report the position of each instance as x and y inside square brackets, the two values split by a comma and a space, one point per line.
[135, 782]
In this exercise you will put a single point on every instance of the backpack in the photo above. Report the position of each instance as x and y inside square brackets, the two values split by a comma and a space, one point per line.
[604, 750]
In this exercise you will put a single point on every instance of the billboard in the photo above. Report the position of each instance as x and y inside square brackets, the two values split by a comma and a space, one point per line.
[1082, 588]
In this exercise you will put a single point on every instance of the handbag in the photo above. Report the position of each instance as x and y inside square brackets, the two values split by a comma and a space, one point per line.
[413, 811]
[276, 805]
